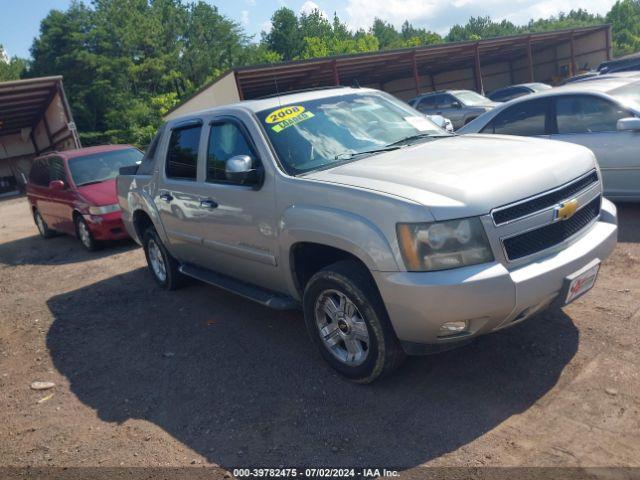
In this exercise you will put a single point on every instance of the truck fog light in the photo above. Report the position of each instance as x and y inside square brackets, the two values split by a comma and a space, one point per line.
[453, 328]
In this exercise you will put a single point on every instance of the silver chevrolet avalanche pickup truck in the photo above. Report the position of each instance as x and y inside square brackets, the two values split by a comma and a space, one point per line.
[393, 236]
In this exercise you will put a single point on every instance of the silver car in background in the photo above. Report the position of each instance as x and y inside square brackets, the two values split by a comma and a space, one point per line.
[515, 91]
[459, 106]
[603, 116]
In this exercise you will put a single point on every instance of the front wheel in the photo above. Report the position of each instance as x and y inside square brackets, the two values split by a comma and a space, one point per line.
[85, 235]
[348, 322]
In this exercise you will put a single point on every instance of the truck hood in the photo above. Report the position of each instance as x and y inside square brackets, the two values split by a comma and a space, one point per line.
[98, 194]
[466, 175]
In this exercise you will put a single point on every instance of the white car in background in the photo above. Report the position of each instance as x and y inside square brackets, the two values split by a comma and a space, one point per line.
[603, 116]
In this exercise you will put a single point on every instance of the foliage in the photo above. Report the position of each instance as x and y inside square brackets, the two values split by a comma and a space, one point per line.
[11, 68]
[625, 19]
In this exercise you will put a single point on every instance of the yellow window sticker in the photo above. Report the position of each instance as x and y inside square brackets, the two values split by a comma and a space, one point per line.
[287, 116]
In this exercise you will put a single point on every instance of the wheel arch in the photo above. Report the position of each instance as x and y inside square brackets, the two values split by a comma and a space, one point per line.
[316, 237]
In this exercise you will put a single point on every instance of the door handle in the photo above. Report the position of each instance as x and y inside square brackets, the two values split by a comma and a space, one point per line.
[166, 197]
[208, 203]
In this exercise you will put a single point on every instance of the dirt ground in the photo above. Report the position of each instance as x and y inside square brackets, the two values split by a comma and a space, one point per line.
[199, 377]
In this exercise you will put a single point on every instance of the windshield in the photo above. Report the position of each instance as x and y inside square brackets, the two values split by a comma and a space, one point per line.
[628, 95]
[99, 167]
[325, 132]
[471, 99]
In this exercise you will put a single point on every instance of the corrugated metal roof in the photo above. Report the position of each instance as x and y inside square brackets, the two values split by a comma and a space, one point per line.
[371, 68]
[23, 102]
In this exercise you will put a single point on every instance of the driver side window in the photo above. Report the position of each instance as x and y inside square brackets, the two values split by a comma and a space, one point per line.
[226, 140]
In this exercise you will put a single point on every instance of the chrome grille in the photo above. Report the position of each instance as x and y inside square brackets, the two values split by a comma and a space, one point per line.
[502, 215]
[534, 241]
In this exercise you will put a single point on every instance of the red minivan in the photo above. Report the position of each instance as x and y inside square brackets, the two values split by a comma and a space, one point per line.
[74, 192]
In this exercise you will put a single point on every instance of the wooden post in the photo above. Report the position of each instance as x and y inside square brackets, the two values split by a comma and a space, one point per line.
[336, 74]
[478, 71]
[574, 68]
[433, 82]
[416, 77]
[47, 129]
[530, 58]
[607, 39]
[238, 86]
[33, 142]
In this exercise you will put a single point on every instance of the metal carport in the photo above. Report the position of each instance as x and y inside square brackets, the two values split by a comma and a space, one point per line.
[34, 118]
[482, 65]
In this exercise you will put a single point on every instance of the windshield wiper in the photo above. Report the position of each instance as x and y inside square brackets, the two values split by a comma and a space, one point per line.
[419, 136]
[350, 155]
[93, 182]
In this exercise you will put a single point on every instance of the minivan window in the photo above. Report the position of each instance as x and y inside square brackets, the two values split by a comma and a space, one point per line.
[182, 154]
[587, 114]
[56, 170]
[103, 166]
[39, 174]
[525, 118]
[226, 140]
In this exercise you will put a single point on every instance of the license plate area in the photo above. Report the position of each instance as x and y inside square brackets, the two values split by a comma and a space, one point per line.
[580, 282]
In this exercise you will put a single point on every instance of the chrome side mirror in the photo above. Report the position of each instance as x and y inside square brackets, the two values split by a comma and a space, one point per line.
[628, 124]
[239, 169]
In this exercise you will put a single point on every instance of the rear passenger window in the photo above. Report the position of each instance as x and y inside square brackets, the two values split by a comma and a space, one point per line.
[182, 154]
[526, 118]
[445, 101]
[225, 141]
[56, 170]
[587, 114]
[39, 174]
[427, 103]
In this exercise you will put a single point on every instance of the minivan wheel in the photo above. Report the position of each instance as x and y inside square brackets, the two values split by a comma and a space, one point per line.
[348, 322]
[163, 267]
[43, 228]
[84, 234]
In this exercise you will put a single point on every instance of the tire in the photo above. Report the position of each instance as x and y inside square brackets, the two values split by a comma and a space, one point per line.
[84, 235]
[163, 266]
[356, 338]
[43, 228]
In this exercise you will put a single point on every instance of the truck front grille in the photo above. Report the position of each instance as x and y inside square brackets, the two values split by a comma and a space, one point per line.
[534, 241]
[513, 212]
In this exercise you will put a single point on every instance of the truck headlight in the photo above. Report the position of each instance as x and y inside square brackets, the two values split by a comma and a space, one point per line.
[103, 210]
[443, 245]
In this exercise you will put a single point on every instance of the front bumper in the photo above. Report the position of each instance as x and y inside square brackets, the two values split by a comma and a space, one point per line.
[107, 227]
[488, 296]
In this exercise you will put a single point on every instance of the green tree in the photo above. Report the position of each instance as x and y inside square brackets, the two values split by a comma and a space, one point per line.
[285, 36]
[624, 17]
[478, 28]
[11, 68]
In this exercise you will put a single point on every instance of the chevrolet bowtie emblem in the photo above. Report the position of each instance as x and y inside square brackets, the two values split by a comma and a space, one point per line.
[566, 210]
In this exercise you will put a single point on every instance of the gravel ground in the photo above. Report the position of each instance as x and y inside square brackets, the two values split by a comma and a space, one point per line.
[198, 376]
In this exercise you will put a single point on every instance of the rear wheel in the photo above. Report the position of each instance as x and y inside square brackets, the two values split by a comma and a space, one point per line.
[163, 266]
[348, 322]
[85, 235]
[43, 228]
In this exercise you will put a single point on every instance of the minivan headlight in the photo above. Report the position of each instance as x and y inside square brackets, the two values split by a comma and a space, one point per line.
[103, 210]
[443, 245]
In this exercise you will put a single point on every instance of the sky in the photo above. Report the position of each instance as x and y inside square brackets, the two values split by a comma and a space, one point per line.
[20, 19]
